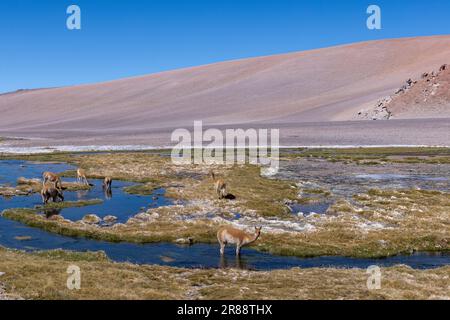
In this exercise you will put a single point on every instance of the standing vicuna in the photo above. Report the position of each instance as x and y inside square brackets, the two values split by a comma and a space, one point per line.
[231, 235]
[220, 186]
[81, 176]
[107, 182]
[52, 177]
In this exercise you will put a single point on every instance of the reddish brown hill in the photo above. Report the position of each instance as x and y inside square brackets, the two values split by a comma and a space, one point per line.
[426, 97]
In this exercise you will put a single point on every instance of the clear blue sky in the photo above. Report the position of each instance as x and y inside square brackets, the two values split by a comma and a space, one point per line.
[121, 38]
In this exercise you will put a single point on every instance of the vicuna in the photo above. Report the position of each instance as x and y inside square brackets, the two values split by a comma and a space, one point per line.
[81, 176]
[238, 237]
[48, 193]
[107, 182]
[51, 177]
[220, 186]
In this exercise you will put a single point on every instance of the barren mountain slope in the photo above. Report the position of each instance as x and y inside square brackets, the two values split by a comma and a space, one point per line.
[322, 85]
[426, 97]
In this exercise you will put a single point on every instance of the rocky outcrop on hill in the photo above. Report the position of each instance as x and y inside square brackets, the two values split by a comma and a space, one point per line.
[427, 97]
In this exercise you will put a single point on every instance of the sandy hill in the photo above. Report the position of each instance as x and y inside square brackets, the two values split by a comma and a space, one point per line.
[330, 84]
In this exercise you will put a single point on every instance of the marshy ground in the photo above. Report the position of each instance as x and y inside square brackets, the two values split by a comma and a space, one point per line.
[363, 203]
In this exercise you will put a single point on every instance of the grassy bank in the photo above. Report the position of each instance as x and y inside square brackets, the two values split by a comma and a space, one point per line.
[374, 156]
[44, 276]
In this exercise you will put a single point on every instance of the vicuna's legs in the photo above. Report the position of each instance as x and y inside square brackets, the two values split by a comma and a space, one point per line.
[81, 176]
[83, 180]
[222, 248]
[238, 249]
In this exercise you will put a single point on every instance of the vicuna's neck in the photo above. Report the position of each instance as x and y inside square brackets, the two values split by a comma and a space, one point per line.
[253, 238]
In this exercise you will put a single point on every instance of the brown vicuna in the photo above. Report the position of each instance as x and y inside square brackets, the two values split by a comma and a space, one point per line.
[50, 192]
[107, 182]
[81, 176]
[235, 236]
[220, 186]
[51, 177]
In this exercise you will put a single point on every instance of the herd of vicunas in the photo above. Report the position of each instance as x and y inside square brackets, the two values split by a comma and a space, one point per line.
[52, 189]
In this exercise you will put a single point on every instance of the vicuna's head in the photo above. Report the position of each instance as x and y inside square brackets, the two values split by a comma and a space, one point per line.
[258, 230]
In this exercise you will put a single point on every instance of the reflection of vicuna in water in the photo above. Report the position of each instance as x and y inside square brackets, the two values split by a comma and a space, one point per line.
[108, 193]
[52, 212]
[239, 263]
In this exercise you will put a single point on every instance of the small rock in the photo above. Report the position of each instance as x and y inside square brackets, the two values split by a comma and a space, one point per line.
[110, 219]
[167, 259]
[144, 216]
[23, 238]
[91, 219]
[185, 241]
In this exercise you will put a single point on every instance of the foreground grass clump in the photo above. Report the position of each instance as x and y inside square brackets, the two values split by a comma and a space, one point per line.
[44, 276]
[154, 231]
[70, 204]
[142, 189]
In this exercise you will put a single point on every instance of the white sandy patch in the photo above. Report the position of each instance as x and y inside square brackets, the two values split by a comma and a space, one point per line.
[273, 225]
[92, 148]
[371, 226]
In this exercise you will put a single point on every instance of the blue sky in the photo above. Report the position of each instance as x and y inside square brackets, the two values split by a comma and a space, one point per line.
[122, 38]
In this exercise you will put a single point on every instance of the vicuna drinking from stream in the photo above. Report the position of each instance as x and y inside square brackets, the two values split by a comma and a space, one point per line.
[49, 192]
[81, 176]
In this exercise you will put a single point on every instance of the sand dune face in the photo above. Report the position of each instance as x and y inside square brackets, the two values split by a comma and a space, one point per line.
[323, 85]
